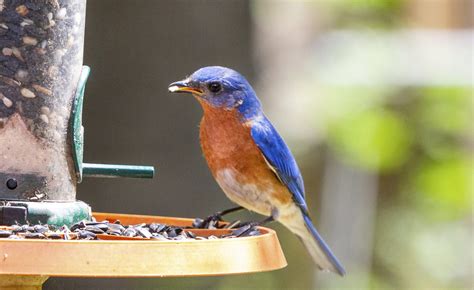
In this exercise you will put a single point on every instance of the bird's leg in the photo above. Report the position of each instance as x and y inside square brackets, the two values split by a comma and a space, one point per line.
[213, 220]
[229, 210]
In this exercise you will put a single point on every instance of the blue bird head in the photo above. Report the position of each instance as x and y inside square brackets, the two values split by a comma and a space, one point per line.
[220, 87]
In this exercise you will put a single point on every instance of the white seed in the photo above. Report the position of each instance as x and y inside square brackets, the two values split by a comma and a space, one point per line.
[51, 24]
[21, 75]
[70, 41]
[17, 53]
[44, 118]
[7, 102]
[43, 44]
[28, 40]
[43, 90]
[7, 51]
[26, 22]
[1, 5]
[58, 55]
[27, 93]
[53, 71]
[45, 110]
[61, 13]
[3, 25]
[50, 15]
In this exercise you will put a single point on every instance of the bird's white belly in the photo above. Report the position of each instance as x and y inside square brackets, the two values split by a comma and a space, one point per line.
[245, 194]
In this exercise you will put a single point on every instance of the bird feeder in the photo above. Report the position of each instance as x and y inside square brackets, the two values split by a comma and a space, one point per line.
[42, 83]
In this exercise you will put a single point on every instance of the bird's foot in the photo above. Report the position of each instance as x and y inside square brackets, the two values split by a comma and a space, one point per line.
[251, 228]
[213, 221]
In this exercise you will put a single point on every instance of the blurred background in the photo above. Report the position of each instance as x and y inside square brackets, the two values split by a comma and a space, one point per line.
[374, 97]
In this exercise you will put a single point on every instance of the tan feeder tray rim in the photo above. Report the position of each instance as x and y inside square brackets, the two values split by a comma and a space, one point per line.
[141, 258]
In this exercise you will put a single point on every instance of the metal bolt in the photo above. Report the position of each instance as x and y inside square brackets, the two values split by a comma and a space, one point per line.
[12, 183]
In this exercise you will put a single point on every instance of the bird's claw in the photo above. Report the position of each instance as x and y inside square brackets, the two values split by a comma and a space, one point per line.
[247, 229]
[210, 222]
[250, 228]
[213, 221]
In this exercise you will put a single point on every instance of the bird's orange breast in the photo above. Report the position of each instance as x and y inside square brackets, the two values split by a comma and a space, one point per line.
[227, 144]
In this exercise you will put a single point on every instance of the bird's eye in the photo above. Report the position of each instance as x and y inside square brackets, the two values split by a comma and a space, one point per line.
[215, 87]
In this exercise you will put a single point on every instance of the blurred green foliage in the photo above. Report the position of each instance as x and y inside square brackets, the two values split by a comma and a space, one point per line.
[376, 140]
[375, 13]
[418, 139]
[446, 109]
[443, 189]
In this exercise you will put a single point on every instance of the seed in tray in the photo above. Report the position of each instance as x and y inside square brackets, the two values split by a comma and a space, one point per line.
[86, 235]
[116, 228]
[17, 229]
[88, 230]
[191, 235]
[130, 232]
[34, 236]
[79, 225]
[144, 232]
[159, 237]
[103, 226]
[5, 233]
[172, 233]
[113, 233]
[29, 228]
[156, 228]
[180, 238]
[40, 229]
[94, 229]
[54, 236]
[242, 230]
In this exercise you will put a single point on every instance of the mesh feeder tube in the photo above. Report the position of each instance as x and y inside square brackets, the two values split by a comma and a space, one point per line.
[42, 84]
[41, 52]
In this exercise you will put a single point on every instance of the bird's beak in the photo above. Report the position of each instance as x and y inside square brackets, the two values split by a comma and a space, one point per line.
[184, 86]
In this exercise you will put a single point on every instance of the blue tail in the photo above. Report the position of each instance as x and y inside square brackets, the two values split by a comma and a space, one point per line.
[319, 250]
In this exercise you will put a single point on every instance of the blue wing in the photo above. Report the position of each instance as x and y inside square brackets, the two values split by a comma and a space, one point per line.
[279, 157]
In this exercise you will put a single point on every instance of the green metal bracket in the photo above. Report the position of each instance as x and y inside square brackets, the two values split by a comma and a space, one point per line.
[111, 170]
[76, 123]
[90, 169]
[52, 213]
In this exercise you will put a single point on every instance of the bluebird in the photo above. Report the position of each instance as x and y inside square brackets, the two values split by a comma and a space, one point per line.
[249, 159]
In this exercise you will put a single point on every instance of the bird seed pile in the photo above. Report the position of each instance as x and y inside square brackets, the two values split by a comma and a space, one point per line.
[105, 230]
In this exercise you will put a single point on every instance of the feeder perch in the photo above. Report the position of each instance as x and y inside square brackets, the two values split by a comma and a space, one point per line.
[42, 84]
